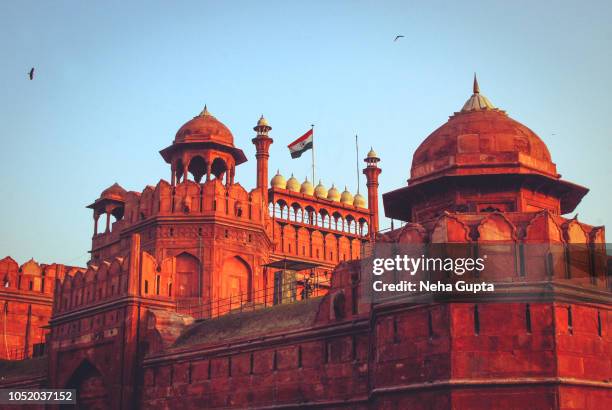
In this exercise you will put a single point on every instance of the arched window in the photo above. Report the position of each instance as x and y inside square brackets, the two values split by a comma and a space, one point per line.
[234, 284]
[187, 275]
[218, 168]
[197, 168]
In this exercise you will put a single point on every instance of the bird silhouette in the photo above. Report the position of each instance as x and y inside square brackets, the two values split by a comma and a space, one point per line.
[398, 37]
[31, 74]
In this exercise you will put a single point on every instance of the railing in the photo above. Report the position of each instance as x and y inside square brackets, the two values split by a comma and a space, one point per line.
[308, 287]
[21, 353]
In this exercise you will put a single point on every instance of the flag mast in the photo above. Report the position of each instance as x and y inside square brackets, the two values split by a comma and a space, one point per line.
[313, 155]
[357, 159]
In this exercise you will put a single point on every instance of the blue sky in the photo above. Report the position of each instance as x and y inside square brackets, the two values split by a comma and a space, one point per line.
[115, 81]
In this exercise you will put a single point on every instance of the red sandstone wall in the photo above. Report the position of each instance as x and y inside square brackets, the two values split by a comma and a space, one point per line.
[503, 347]
[24, 322]
[406, 352]
[332, 370]
[26, 295]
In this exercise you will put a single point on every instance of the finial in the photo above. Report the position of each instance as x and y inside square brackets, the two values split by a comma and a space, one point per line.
[204, 111]
[262, 125]
[476, 87]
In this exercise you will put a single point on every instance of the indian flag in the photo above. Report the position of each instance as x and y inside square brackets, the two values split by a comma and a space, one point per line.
[301, 145]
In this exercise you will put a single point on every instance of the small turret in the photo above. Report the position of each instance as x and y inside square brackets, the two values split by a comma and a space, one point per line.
[262, 144]
[359, 201]
[293, 184]
[346, 197]
[307, 188]
[372, 172]
[320, 191]
[278, 181]
[333, 194]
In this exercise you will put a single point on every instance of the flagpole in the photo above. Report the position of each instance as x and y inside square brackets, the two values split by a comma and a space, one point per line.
[313, 155]
[357, 157]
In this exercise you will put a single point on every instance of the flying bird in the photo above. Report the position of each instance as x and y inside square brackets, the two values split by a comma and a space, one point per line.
[31, 74]
[398, 37]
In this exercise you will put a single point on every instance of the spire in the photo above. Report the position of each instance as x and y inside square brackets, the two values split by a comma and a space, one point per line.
[477, 102]
[204, 112]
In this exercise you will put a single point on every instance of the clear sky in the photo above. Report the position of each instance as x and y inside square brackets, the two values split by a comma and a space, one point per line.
[114, 81]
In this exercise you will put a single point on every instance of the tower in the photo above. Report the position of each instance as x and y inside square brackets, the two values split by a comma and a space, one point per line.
[262, 144]
[481, 160]
[371, 171]
[203, 147]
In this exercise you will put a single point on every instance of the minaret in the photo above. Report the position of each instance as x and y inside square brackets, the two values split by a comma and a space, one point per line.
[262, 144]
[371, 171]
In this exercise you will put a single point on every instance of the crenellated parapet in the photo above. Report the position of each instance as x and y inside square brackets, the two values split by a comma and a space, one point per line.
[30, 276]
[210, 199]
[521, 246]
[26, 299]
[96, 284]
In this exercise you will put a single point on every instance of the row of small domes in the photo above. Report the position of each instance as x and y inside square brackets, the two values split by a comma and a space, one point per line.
[319, 191]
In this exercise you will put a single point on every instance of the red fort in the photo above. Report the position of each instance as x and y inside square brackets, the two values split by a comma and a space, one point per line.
[201, 293]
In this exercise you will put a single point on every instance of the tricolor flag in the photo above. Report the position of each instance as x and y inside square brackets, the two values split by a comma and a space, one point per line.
[301, 145]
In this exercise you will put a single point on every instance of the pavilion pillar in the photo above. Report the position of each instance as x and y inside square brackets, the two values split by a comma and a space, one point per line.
[107, 221]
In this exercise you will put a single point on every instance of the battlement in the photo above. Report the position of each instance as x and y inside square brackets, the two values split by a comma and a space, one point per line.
[209, 199]
[31, 276]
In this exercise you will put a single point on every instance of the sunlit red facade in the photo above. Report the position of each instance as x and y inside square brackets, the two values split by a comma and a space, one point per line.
[142, 325]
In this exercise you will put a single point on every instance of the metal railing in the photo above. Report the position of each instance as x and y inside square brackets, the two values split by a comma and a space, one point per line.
[21, 353]
[293, 291]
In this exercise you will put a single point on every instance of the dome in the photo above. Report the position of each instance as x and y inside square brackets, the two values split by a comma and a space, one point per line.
[320, 191]
[278, 181]
[481, 139]
[115, 192]
[346, 197]
[262, 122]
[204, 128]
[293, 184]
[307, 187]
[372, 153]
[359, 201]
[333, 193]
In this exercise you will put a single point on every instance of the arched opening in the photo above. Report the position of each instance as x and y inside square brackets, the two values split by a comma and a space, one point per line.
[324, 219]
[218, 168]
[234, 284]
[179, 171]
[350, 224]
[295, 212]
[336, 221]
[363, 227]
[309, 215]
[90, 387]
[282, 210]
[187, 276]
[197, 168]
